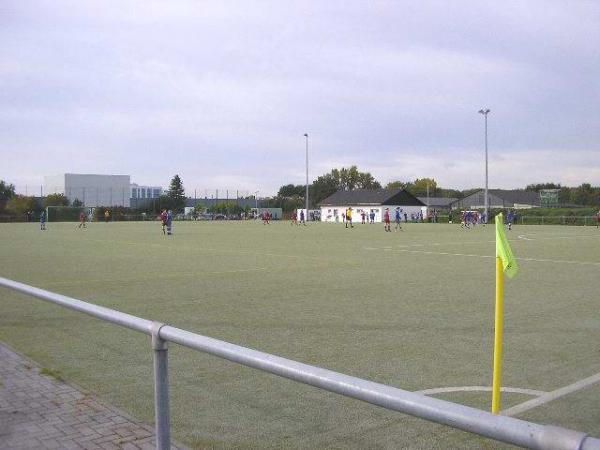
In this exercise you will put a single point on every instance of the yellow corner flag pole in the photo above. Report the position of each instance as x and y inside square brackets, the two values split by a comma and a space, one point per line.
[498, 337]
[505, 262]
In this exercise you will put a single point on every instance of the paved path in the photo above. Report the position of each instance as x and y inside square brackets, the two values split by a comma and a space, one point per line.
[39, 412]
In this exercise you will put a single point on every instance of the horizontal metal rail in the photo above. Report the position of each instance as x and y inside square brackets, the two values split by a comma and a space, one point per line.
[502, 428]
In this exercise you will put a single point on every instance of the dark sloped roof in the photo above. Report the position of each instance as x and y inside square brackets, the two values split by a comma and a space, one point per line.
[372, 197]
[517, 196]
[438, 201]
[508, 196]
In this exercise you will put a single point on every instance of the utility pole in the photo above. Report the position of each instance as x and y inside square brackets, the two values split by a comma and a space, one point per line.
[485, 113]
[306, 195]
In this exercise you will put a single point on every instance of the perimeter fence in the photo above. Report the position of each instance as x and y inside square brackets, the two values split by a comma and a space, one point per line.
[501, 428]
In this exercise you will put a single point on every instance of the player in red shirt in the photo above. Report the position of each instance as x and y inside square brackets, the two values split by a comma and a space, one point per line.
[82, 220]
[265, 217]
[598, 220]
[386, 219]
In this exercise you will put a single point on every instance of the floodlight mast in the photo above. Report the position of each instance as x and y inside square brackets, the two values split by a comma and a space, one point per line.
[485, 113]
[306, 195]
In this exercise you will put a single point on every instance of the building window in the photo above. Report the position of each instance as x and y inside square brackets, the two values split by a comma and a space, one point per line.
[156, 193]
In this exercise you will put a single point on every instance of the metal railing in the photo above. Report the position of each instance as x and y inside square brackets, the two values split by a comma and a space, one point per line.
[501, 428]
[557, 220]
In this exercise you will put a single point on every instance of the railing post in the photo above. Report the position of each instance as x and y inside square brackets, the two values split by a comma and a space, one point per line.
[161, 389]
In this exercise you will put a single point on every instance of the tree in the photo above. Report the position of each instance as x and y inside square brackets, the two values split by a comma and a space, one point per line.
[56, 200]
[419, 187]
[323, 187]
[396, 185]
[20, 204]
[351, 178]
[77, 203]
[583, 194]
[290, 190]
[7, 191]
[346, 179]
[539, 186]
[177, 194]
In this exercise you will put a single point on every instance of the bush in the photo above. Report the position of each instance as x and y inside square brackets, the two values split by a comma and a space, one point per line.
[20, 204]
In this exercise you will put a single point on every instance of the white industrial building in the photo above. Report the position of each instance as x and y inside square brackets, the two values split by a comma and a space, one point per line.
[138, 191]
[369, 200]
[91, 189]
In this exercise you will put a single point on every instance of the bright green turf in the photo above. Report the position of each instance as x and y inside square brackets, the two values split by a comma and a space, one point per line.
[349, 300]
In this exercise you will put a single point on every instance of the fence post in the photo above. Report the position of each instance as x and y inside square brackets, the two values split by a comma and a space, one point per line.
[161, 389]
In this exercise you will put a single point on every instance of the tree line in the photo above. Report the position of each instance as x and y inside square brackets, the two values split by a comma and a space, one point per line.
[290, 196]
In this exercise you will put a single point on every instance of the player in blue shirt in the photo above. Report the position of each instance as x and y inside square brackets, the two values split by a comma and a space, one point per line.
[398, 218]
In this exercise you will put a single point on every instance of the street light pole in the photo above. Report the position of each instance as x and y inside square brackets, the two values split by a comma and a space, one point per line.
[485, 113]
[306, 195]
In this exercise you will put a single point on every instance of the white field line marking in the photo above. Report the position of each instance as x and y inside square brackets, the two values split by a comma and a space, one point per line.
[532, 392]
[521, 236]
[581, 236]
[553, 395]
[559, 261]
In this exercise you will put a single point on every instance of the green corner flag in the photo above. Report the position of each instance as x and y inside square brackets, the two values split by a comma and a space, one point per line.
[503, 250]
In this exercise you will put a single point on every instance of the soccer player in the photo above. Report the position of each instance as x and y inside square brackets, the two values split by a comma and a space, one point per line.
[302, 218]
[81, 220]
[398, 218]
[43, 220]
[106, 215]
[598, 220]
[510, 217]
[169, 222]
[363, 216]
[386, 219]
[295, 218]
[266, 216]
[349, 217]
[163, 220]
[372, 216]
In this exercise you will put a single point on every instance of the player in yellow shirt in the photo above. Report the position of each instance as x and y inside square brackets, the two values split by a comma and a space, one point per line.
[349, 217]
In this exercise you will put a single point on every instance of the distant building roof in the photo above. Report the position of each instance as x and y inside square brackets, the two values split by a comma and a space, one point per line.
[372, 197]
[500, 198]
[438, 201]
[517, 196]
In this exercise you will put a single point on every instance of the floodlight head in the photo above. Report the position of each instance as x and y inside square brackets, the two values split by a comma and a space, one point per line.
[305, 134]
[484, 111]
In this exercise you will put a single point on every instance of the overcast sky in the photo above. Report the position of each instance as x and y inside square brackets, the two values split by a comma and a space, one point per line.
[222, 92]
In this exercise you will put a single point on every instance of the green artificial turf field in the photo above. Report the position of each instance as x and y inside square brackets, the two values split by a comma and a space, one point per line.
[412, 309]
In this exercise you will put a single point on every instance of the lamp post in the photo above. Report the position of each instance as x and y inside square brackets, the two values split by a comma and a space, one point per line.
[306, 195]
[485, 113]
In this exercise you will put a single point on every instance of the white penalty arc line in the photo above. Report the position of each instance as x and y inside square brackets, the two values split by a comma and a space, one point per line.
[443, 390]
[550, 396]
